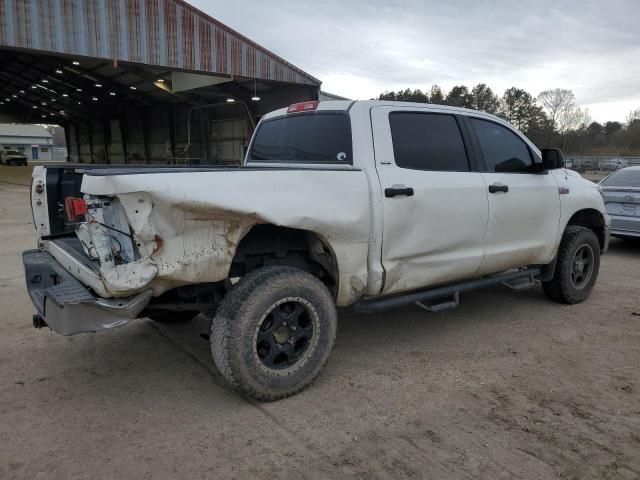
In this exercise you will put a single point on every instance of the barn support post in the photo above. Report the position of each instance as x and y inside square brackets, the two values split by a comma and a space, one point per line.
[106, 139]
[76, 133]
[90, 131]
[145, 137]
[122, 123]
[67, 140]
[172, 133]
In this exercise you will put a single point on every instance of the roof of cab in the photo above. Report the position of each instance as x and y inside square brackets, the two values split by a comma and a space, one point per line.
[343, 105]
[363, 107]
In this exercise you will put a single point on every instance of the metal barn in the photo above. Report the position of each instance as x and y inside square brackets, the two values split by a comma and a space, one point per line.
[139, 81]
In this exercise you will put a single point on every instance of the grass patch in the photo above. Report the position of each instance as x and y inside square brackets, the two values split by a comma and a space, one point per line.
[16, 175]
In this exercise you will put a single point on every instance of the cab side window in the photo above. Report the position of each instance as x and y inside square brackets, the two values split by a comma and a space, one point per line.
[503, 150]
[425, 141]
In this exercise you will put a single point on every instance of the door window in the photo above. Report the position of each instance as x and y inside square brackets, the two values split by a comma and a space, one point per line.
[425, 141]
[503, 150]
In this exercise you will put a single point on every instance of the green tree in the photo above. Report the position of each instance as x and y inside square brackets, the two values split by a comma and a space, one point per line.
[459, 96]
[596, 133]
[387, 96]
[417, 96]
[436, 95]
[518, 107]
[406, 95]
[483, 99]
[611, 128]
[632, 135]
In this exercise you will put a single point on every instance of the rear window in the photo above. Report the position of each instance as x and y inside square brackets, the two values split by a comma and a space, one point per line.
[623, 178]
[427, 141]
[310, 137]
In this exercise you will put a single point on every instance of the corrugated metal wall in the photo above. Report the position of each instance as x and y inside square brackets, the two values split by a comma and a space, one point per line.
[168, 33]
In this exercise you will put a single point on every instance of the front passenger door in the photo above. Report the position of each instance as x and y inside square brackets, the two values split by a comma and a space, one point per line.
[524, 205]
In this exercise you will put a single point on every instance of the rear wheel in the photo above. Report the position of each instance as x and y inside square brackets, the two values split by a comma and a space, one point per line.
[273, 332]
[577, 266]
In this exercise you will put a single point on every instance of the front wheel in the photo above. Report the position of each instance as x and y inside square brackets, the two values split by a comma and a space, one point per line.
[273, 332]
[577, 266]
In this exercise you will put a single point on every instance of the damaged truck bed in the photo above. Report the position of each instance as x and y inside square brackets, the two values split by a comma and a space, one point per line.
[173, 227]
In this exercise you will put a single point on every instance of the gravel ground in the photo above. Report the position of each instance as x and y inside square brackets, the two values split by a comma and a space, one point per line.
[509, 385]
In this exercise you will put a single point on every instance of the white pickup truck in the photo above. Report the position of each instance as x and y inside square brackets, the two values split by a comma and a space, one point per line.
[367, 204]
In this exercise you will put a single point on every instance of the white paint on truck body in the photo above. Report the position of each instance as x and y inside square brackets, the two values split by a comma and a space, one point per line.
[186, 226]
[191, 223]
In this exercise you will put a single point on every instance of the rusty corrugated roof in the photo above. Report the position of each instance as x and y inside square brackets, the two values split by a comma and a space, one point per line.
[167, 33]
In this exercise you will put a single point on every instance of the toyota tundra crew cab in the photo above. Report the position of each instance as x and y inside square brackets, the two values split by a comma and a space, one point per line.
[368, 204]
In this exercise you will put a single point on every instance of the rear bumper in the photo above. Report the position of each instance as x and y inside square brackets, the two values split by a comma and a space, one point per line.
[67, 306]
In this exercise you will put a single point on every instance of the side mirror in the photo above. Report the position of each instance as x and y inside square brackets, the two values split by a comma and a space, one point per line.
[552, 158]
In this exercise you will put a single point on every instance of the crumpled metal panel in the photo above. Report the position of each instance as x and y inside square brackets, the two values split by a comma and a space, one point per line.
[189, 224]
[167, 33]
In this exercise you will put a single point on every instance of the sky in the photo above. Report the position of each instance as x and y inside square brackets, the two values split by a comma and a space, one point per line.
[361, 48]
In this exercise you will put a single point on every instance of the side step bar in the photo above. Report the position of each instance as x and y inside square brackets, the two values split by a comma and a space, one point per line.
[423, 297]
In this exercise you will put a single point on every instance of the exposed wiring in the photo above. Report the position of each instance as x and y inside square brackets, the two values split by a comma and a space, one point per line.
[117, 257]
[118, 242]
[114, 229]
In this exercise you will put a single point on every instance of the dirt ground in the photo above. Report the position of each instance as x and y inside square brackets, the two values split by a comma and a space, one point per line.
[509, 385]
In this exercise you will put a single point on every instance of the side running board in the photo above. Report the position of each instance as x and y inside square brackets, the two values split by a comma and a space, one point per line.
[431, 299]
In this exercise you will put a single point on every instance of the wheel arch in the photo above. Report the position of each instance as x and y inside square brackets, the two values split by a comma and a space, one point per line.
[592, 219]
[269, 244]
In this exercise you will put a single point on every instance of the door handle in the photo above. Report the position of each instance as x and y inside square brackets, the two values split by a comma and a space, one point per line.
[495, 188]
[399, 190]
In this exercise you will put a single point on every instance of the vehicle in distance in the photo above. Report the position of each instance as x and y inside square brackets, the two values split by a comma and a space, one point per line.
[613, 165]
[367, 204]
[13, 158]
[622, 200]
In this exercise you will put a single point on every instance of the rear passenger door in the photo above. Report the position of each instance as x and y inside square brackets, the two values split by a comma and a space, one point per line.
[524, 204]
[434, 201]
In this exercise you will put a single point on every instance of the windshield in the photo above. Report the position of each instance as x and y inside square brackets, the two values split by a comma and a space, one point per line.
[310, 137]
[623, 178]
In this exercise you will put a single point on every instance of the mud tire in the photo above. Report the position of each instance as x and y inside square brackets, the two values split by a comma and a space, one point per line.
[561, 288]
[238, 321]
